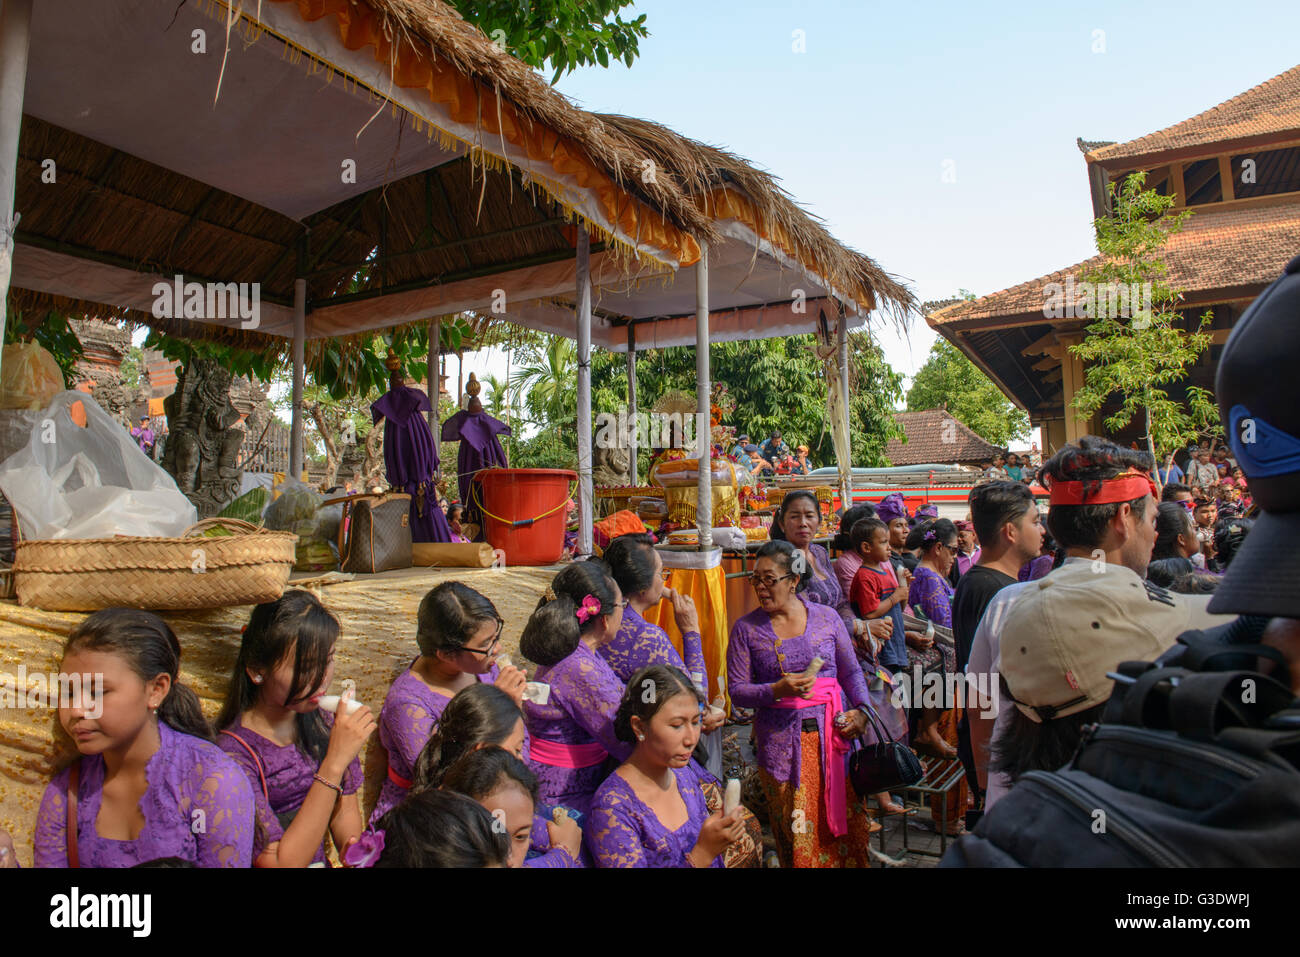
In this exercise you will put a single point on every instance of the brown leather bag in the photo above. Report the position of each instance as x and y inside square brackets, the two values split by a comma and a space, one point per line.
[375, 533]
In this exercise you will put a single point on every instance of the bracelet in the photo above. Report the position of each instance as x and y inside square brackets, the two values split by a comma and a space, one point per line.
[328, 784]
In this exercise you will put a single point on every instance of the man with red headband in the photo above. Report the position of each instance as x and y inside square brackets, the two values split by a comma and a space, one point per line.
[1103, 511]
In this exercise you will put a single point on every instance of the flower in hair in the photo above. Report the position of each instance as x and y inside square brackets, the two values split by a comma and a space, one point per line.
[366, 850]
[549, 594]
[929, 536]
[589, 609]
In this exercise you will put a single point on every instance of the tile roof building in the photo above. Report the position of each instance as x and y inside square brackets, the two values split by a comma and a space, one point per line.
[1237, 168]
[935, 437]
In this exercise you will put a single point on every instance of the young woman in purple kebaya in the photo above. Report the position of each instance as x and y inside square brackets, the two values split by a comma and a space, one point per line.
[458, 632]
[571, 737]
[149, 783]
[653, 811]
[300, 760]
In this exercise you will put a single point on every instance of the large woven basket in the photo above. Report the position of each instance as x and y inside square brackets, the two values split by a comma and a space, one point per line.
[156, 573]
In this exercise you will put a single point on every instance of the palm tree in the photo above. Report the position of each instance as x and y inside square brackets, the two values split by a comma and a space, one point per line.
[549, 383]
[501, 402]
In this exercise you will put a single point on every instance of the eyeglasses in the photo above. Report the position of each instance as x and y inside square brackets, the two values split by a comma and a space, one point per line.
[953, 547]
[494, 645]
[769, 583]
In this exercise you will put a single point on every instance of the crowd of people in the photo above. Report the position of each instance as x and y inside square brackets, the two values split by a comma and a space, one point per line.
[772, 457]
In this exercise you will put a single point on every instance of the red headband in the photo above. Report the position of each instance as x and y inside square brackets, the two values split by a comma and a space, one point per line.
[1125, 487]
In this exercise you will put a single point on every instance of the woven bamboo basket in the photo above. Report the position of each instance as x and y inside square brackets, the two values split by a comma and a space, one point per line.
[246, 568]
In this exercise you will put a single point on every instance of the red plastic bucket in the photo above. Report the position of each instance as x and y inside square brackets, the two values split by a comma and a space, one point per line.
[524, 513]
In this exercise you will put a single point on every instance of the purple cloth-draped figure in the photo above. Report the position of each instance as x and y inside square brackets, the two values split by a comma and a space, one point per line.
[288, 772]
[585, 696]
[640, 643]
[406, 722]
[411, 459]
[189, 780]
[479, 449]
[757, 659]
[623, 832]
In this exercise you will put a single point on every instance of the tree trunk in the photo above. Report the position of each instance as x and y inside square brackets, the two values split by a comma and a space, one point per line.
[1151, 446]
[332, 454]
[372, 466]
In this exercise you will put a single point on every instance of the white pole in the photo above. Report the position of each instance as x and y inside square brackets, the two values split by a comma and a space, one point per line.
[15, 37]
[586, 498]
[299, 376]
[846, 480]
[631, 402]
[435, 380]
[704, 491]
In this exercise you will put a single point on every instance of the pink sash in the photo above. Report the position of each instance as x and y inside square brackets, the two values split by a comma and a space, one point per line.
[566, 755]
[826, 691]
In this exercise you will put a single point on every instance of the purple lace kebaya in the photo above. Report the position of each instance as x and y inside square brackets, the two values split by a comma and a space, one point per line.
[640, 643]
[189, 781]
[288, 772]
[623, 831]
[406, 722]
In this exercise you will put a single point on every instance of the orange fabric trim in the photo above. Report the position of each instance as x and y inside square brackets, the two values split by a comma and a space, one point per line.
[470, 103]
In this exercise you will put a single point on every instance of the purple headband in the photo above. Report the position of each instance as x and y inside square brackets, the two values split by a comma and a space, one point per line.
[891, 507]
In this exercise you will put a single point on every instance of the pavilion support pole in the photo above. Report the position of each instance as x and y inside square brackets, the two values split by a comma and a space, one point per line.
[15, 41]
[632, 431]
[586, 497]
[703, 393]
[435, 381]
[846, 468]
[299, 376]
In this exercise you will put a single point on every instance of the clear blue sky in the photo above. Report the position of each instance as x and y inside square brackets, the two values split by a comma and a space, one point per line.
[858, 127]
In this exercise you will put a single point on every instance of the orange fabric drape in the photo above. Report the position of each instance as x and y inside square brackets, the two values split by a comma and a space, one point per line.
[707, 588]
[472, 103]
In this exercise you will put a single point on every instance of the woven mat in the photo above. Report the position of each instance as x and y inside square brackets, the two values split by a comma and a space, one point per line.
[378, 617]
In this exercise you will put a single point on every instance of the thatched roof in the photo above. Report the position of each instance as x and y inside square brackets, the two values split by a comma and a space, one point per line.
[704, 170]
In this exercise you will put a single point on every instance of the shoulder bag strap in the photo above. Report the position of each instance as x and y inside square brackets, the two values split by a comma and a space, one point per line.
[74, 786]
[261, 773]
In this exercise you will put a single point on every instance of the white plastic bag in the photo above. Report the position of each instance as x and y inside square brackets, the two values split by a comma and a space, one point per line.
[91, 482]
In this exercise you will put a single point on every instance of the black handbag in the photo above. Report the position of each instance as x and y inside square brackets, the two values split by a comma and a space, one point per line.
[882, 766]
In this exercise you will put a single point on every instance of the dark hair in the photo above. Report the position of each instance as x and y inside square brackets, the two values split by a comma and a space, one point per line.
[479, 714]
[1195, 583]
[1172, 520]
[783, 553]
[1229, 535]
[668, 682]
[776, 532]
[449, 615]
[486, 770]
[864, 529]
[162, 862]
[454, 512]
[1165, 571]
[295, 623]
[842, 541]
[553, 631]
[150, 647]
[436, 828]
[1027, 745]
[1171, 489]
[631, 561]
[1090, 461]
[993, 504]
[942, 528]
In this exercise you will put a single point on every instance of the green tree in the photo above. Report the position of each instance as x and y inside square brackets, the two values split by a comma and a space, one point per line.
[130, 367]
[566, 34]
[547, 381]
[1134, 357]
[951, 380]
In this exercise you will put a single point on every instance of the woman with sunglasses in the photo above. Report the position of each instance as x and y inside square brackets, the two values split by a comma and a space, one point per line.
[458, 632]
[931, 595]
[805, 715]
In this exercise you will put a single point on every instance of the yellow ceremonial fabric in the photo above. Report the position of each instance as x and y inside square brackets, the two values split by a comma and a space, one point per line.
[707, 588]
[473, 103]
[377, 614]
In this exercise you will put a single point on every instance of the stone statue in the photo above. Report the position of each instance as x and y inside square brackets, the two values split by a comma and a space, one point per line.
[611, 466]
[202, 451]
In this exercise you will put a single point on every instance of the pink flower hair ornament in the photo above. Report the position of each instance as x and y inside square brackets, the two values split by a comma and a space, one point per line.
[366, 850]
[589, 609]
